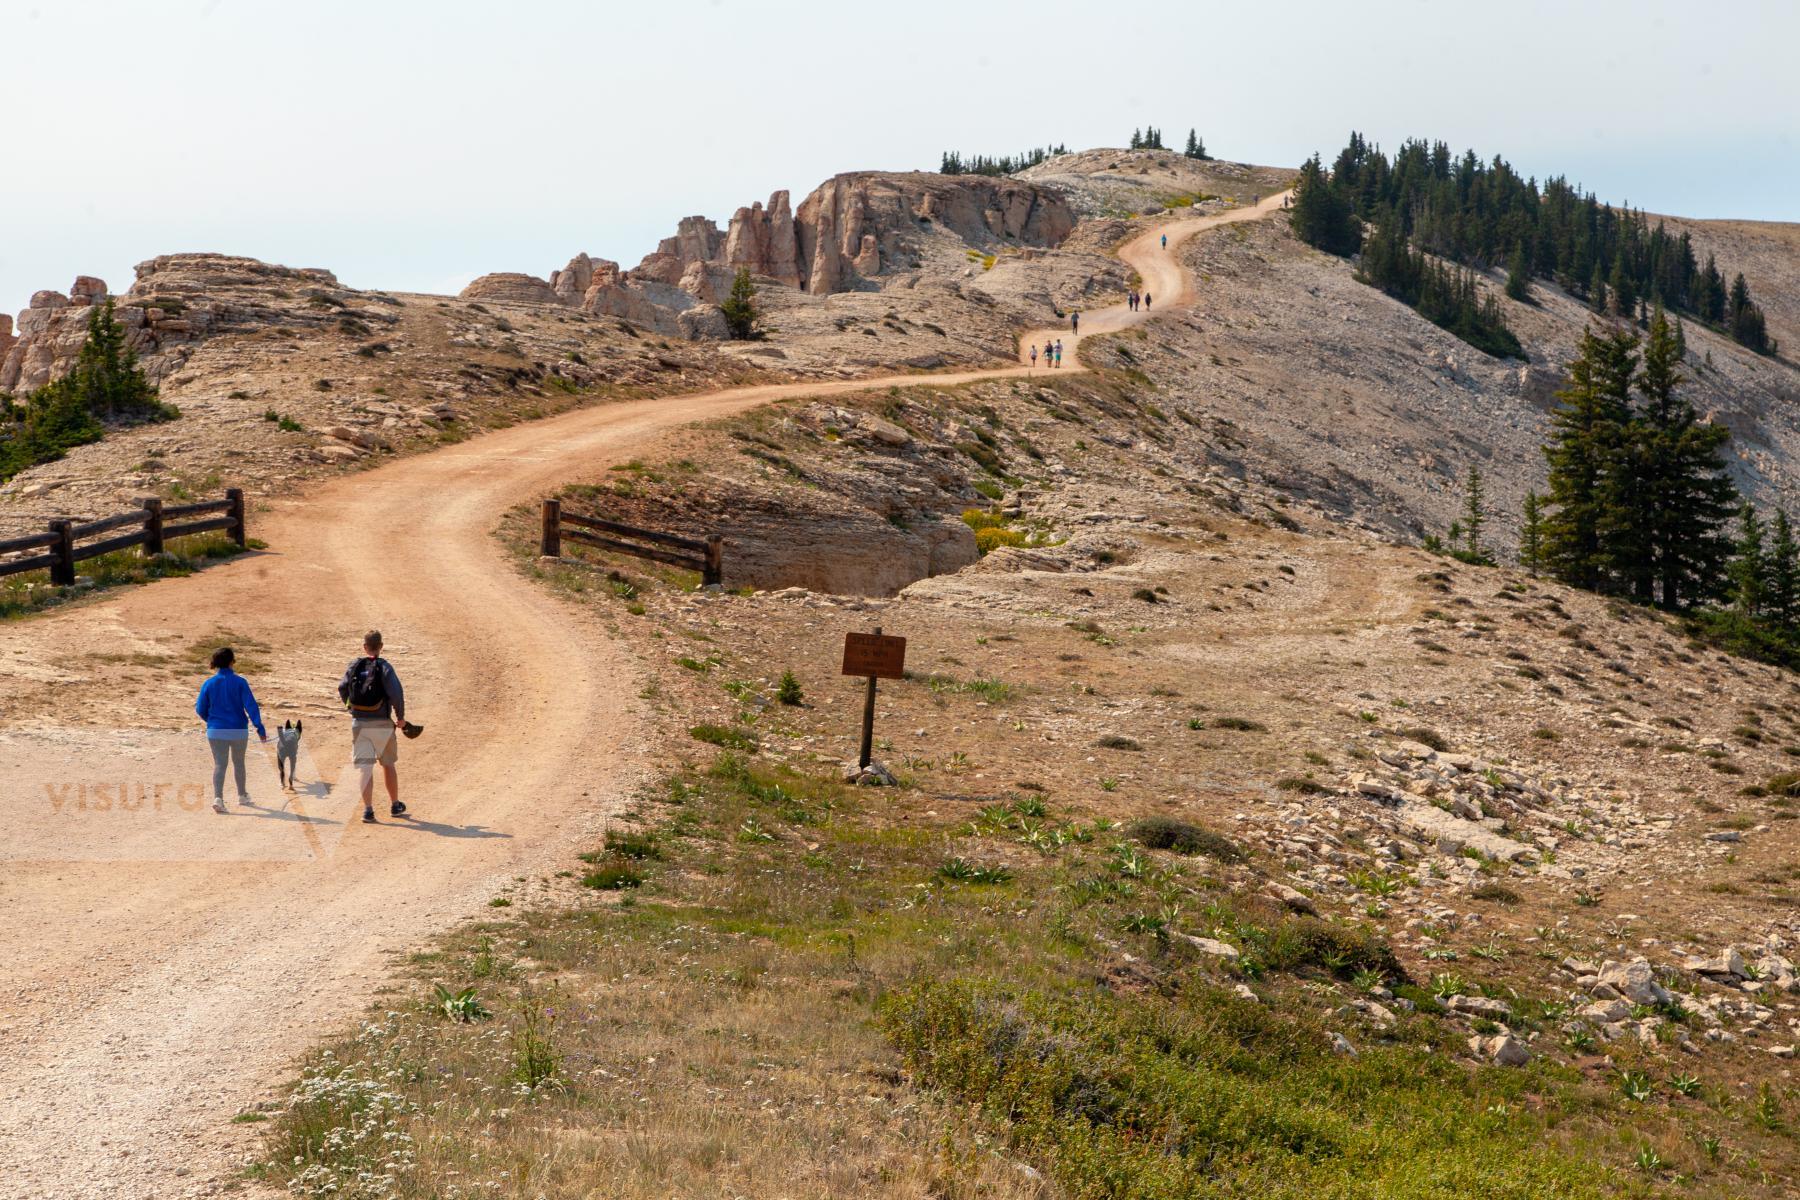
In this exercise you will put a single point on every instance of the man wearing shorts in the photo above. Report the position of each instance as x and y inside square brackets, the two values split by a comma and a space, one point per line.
[377, 704]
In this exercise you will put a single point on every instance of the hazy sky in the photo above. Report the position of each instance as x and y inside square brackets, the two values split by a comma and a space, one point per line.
[413, 146]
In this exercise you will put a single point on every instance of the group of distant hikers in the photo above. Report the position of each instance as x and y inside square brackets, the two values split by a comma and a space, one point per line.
[1052, 353]
[370, 690]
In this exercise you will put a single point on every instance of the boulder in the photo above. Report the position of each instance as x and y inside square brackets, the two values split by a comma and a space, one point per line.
[1210, 946]
[1634, 980]
[510, 287]
[1479, 1006]
[1503, 1049]
[1295, 900]
[1727, 962]
[86, 290]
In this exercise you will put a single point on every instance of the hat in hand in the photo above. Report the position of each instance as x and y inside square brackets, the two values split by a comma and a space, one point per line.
[411, 730]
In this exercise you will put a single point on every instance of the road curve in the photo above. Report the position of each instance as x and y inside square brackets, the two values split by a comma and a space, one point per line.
[148, 1000]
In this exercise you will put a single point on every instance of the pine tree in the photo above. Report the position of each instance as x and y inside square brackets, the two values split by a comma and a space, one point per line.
[740, 306]
[1597, 290]
[1783, 574]
[1474, 518]
[1531, 534]
[1687, 498]
[1320, 216]
[1518, 276]
[1624, 295]
[1196, 148]
[1749, 566]
[1137, 139]
[1583, 453]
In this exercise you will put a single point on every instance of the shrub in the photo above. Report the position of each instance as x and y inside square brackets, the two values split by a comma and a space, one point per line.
[1240, 724]
[1184, 837]
[1426, 737]
[987, 540]
[614, 876]
[725, 736]
[1304, 787]
[788, 691]
[1499, 893]
[1113, 741]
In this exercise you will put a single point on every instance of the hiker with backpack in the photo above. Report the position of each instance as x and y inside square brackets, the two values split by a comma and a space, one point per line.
[371, 691]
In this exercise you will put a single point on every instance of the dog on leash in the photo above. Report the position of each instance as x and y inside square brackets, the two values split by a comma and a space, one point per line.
[287, 751]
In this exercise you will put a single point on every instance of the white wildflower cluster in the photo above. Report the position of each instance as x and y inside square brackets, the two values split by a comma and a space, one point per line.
[363, 1151]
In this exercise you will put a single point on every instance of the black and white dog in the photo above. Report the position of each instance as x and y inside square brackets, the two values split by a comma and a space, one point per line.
[287, 751]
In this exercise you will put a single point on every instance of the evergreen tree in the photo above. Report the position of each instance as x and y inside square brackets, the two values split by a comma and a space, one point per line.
[1518, 277]
[1597, 290]
[1531, 534]
[1137, 139]
[740, 306]
[1474, 518]
[1749, 566]
[1620, 284]
[1320, 216]
[1783, 570]
[1687, 497]
[1582, 453]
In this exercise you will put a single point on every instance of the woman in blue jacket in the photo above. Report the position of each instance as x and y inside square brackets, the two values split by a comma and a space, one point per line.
[229, 710]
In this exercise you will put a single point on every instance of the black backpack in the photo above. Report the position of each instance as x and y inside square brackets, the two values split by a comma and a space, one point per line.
[368, 686]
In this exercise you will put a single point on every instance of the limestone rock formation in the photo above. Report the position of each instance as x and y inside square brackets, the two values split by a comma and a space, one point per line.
[696, 239]
[764, 241]
[7, 340]
[177, 301]
[511, 287]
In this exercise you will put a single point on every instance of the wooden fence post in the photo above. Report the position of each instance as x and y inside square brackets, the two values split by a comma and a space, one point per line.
[62, 571]
[715, 561]
[239, 532]
[551, 544]
[153, 526]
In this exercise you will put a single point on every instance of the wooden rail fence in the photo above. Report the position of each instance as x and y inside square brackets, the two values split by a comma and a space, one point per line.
[706, 556]
[64, 544]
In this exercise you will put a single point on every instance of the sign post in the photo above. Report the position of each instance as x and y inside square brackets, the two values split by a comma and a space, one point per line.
[876, 657]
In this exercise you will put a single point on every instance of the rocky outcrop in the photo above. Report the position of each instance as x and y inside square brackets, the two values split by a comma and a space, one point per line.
[510, 287]
[177, 301]
[571, 284]
[856, 226]
[852, 230]
[7, 340]
[696, 239]
[763, 239]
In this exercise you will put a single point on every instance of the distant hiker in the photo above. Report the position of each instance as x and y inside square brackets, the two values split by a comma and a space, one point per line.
[1059, 352]
[1165, 245]
[1134, 300]
[229, 710]
[1146, 300]
[1074, 322]
[1049, 355]
[377, 704]
[1034, 354]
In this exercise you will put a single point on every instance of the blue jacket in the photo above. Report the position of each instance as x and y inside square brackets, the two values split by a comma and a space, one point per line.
[225, 701]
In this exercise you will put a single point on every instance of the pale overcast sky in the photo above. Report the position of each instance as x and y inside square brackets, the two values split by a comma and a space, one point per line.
[414, 145]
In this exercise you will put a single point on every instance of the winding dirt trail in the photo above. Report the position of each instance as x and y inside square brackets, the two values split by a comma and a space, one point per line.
[146, 996]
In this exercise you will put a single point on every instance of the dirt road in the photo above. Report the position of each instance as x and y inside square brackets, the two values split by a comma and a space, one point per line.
[149, 996]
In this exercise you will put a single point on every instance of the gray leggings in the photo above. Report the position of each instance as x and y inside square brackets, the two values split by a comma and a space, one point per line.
[234, 749]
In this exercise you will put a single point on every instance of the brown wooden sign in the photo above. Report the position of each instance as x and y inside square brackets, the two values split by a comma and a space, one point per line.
[874, 656]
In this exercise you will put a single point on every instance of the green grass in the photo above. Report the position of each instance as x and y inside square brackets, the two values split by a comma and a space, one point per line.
[1032, 988]
[32, 592]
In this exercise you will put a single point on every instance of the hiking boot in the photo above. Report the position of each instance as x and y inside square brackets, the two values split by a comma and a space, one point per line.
[218, 806]
[396, 809]
[368, 816]
[245, 801]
